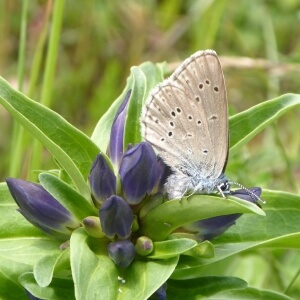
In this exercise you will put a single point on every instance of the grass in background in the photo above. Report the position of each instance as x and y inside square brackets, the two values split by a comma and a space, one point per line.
[101, 40]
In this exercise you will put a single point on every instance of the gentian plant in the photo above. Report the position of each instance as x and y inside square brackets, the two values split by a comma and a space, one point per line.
[100, 225]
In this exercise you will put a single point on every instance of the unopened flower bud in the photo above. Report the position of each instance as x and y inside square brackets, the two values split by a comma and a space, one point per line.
[102, 179]
[143, 246]
[93, 227]
[116, 144]
[137, 172]
[213, 227]
[116, 218]
[122, 253]
[42, 209]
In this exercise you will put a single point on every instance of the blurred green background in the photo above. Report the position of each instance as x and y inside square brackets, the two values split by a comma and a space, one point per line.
[257, 41]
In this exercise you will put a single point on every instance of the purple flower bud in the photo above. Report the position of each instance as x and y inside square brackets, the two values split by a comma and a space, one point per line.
[102, 179]
[163, 171]
[41, 209]
[116, 218]
[213, 227]
[122, 253]
[117, 132]
[244, 194]
[160, 294]
[31, 297]
[137, 172]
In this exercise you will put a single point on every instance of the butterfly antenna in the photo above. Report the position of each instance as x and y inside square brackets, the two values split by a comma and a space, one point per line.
[250, 193]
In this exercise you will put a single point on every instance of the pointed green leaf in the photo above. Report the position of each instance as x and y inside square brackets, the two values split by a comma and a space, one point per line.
[101, 133]
[67, 196]
[165, 218]
[132, 133]
[245, 125]
[202, 250]
[96, 276]
[59, 289]
[141, 80]
[50, 264]
[215, 288]
[249, 293]
[279, 229]
[203, 286]
[171, 248]
[144, 78]
[143, 278]
[73, 150]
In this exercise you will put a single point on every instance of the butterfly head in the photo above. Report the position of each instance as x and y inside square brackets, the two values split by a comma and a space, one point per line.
[224, 187]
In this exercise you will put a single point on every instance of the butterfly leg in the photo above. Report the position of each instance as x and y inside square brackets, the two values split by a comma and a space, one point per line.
[220, 191]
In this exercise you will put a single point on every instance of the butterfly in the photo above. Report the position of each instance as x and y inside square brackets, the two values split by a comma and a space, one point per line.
[185, 118]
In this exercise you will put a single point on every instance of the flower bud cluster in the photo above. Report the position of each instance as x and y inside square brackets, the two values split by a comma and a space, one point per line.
[121, 184]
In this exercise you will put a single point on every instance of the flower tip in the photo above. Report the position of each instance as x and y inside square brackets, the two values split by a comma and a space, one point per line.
[251, 194]
[160, 294]
[102, 180]
[116, 218]
[116, 146]
[137, 172]
[122, 253]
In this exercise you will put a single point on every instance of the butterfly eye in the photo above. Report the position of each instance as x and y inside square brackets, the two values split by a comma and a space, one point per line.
[225, 186]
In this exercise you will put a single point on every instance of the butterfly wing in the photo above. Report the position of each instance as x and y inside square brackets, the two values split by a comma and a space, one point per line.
[185, 117]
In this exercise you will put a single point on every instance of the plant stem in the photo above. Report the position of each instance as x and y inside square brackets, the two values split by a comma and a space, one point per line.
[18, 130]
[47, 86]
[38, 55]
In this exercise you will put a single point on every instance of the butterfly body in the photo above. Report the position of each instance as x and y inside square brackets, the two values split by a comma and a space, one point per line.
[178, 185]
[186, 120]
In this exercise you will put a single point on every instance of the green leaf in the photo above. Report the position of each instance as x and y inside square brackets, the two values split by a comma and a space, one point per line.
[282, 219]
[203, 286]
[141, 80]
[165, 218]
[202, 250]
[132, 132]
[9, 280]
[101, 133]
[67, 196]
[143, 278]
[171, 248]
[245, 125]
[73, 150]
[59, 289]
[144, 78]
[154, 74]
[51, 264]
[249, 293]
[96, 276]
[215, 288]
[279, 229]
